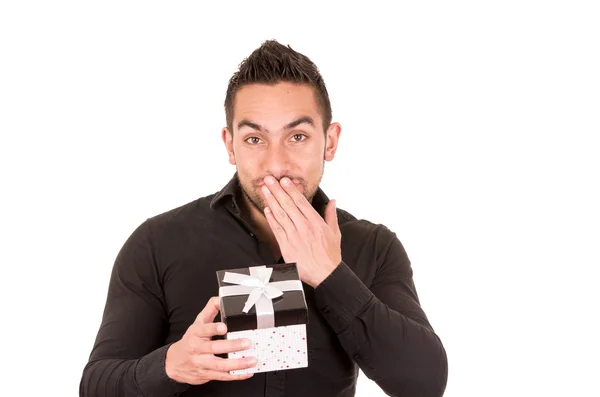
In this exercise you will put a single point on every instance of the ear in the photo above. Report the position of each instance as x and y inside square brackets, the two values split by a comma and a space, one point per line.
[331, 140]
[228, 141]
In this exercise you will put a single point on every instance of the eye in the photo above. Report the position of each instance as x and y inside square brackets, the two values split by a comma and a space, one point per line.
[298, 137]
[253, 140]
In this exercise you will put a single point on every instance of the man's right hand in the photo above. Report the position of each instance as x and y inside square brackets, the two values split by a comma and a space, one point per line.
[192, 359]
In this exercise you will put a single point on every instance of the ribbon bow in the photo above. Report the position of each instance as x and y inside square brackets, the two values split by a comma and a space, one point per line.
[260, 283]
[259, 290]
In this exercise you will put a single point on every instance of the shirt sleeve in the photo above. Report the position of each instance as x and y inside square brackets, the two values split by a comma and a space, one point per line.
[384, 328]
[128, 356]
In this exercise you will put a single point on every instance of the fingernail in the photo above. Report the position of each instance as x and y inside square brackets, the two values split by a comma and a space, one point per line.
[252, 361]
[245, 343]
[270, 180]
[285, 181]
[221, 328]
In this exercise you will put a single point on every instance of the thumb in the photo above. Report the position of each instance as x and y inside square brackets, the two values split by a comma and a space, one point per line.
[210, 311]
[331, 216]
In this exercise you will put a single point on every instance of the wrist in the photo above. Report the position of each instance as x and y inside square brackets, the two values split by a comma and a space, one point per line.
[170, 369]
[322, 275]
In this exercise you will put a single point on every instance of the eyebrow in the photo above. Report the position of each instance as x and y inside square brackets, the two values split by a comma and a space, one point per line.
[295, 123]
[301, 120]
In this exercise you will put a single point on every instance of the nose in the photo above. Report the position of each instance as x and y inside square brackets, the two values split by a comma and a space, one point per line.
[277, 161]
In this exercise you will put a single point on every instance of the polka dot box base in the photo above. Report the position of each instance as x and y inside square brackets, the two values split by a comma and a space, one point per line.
[276, 349]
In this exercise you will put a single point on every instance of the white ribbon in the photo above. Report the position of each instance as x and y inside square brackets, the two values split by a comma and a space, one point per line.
[259, 290]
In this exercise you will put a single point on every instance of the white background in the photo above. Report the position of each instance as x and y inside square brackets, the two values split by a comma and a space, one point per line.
[469, 128]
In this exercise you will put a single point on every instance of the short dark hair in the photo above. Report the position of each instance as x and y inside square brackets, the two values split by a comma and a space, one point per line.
[274, 63]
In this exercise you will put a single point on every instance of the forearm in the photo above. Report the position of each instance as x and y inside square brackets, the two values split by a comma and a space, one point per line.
[144, 377]
[128, 356]
[402, 356]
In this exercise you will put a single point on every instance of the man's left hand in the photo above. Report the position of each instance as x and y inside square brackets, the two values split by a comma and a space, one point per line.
[303, 236]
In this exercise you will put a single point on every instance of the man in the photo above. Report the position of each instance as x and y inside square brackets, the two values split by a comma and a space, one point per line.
[159, 335]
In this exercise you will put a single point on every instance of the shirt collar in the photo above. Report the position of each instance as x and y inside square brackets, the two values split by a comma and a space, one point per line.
[232, 191]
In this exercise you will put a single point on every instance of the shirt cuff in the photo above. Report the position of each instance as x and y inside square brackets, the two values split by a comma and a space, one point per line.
[152, 377]
[341, 297]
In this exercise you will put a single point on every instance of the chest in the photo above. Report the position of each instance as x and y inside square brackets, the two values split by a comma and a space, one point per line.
[188, 274]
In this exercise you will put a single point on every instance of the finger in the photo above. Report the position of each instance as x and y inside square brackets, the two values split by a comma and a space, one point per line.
[299, 200]
[278, 230]
[279, 215]
[225, 376]
[208, 330]
[208, 314]
[230, 364]
[278, 198]
[277, 212]
[224, 346]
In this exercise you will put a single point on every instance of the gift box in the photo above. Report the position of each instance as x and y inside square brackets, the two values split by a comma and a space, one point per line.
[266, 304]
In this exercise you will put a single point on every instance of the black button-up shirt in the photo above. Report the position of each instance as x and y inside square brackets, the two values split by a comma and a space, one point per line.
[365, 314]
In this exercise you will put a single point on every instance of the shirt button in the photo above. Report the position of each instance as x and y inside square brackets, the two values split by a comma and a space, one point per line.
[252, 234]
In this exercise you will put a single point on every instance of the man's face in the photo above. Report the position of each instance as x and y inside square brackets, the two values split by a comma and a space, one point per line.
[278, 131]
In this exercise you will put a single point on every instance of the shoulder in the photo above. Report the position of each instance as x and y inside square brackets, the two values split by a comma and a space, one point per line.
[353, 228]
[188, 215]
